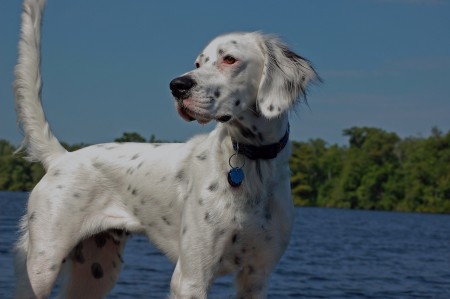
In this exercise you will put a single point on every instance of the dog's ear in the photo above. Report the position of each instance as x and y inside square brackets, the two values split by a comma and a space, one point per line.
[285, 78]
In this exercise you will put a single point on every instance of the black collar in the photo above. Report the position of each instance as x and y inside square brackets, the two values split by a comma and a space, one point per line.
[265, 152]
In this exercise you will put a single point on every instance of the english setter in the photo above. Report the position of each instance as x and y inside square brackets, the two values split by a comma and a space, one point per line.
[217, 204]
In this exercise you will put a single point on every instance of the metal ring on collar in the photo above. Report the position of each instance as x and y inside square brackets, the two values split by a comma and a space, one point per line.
[236, 154]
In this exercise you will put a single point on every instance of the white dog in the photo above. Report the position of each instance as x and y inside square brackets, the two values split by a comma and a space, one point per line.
[218, 204]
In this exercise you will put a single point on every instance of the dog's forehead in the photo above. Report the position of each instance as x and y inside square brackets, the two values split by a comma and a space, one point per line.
[228, 42]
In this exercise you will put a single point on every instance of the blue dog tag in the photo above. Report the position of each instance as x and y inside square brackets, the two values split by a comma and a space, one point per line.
[235, 177]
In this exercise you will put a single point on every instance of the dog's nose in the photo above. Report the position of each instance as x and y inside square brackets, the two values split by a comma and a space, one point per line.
[180, 86]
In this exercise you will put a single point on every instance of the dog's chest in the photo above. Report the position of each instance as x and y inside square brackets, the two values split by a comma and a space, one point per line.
[236, 232]
[247, 245]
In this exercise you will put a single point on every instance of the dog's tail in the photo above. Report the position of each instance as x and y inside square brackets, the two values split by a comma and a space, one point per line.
[39, 141]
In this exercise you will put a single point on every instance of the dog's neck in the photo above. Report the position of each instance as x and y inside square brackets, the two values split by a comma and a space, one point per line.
[263, 152]
[252, 141]
[257, 131]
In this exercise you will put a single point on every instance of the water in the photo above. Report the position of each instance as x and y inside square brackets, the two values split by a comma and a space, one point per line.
[332, 254]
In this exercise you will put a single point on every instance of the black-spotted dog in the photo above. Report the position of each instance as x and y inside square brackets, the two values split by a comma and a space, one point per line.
[218, 204]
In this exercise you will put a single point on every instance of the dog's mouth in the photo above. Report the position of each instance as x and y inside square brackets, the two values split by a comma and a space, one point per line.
[190, 115]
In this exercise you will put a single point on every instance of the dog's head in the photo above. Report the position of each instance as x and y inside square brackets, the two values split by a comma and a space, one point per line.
[241, 74]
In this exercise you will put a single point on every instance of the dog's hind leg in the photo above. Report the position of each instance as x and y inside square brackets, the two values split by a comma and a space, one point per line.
[23, 286]
[49, 232]
[37, 264]
[40, 251]
[93, 266]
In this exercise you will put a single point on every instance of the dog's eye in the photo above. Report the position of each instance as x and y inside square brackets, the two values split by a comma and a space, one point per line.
[229, 59]
[197, 65]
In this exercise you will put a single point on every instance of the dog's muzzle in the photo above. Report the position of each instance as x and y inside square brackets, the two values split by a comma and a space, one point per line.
[181, 86]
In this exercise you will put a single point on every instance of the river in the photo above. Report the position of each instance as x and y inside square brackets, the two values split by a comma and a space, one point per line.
[332, 254]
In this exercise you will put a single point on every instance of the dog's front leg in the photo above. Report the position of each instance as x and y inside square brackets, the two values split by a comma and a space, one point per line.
[199, 257]
[251, 282]
[189, 281]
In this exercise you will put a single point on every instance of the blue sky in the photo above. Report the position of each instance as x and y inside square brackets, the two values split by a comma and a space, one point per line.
[107, 64]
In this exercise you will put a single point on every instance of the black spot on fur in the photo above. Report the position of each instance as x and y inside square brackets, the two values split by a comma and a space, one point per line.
[184, 230]
[200, 202]
[213, 187]
[140, 164]
[134, 192]
[166, 221]
[130, 171]
[270, 108]
[221, 52]
[207, 218]
[76, 195]
[206, 59]
[237, 260]
[77, 254]
[237, 102]
[96, 270]
[180, 175]
[100, 239]
[234, 42]
[202, 156]
[217, 93]
[56, 173]
[54, 267]
[234, 238]
[135, 157]
[32, 217]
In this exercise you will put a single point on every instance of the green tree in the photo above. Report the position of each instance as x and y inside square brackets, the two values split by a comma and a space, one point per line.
[426, 169]
[130, 137]
[307, 171]
[369, 166]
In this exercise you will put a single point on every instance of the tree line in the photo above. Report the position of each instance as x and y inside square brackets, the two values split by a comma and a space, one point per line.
[376, 170]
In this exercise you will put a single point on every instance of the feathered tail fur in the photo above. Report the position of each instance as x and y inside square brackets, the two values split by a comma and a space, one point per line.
[39, 141]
